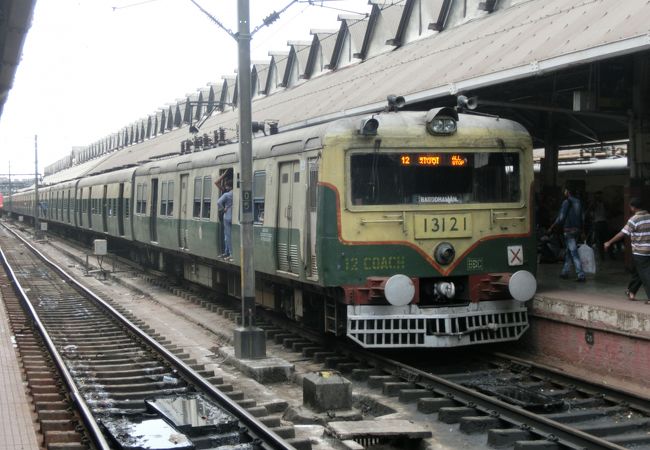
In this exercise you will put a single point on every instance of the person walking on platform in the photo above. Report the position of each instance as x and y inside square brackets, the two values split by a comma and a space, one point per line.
[638, 229]
[570, 217]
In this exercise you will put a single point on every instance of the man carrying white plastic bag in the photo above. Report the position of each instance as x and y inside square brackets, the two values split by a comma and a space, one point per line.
[587, 258]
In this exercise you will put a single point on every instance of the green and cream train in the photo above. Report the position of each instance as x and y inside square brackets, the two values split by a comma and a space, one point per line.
[397, 229]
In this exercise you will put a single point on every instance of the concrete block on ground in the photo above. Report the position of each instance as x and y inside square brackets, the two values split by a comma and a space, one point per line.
[265, 370]
[377, 428]
[325, 391]
[430, 405]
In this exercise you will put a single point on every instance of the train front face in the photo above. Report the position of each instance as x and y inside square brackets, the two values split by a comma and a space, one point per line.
[429, 229]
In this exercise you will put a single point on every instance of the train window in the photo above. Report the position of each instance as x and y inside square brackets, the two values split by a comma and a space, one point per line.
[144, 198]
[138, 198]
[141, 199]
[170, 198]
[207, 197]
[259, 191]
[198, 183]
[127, 210]
[167, 198]
[412, 178]
[163, 199]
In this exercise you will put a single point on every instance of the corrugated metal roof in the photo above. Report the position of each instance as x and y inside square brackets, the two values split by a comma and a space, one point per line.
[517, 42]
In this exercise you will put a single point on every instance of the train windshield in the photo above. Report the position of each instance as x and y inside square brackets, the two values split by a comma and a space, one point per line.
[434, 178]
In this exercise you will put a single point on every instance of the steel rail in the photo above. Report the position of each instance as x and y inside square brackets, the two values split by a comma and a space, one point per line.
[77, 399]
[257, 429]
[613, 394]
[537, 424]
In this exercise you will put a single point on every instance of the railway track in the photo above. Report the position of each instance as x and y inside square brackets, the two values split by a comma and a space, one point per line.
[126, 387]
[514, 403]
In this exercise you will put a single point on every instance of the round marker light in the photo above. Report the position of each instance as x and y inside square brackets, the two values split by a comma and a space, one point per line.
[399, 290]
[522, 285]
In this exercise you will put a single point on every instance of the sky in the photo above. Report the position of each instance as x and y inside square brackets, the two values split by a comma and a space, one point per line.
[91, 67]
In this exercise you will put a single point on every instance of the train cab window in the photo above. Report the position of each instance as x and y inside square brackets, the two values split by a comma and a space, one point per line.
[434, 178]
[127, 209]
[259, 191]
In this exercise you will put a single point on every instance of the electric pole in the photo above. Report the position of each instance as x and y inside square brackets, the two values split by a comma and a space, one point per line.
[250, 341]
[36, 201]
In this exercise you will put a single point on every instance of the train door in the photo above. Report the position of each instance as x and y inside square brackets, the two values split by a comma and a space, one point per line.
[183, 213]
[105, 209]
[290, 217]
[153, 226]
[120, 210]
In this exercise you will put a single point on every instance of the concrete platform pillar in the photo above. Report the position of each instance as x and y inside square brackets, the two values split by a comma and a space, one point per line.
[326, 391]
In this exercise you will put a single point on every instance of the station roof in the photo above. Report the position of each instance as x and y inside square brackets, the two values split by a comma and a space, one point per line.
[15, 20]
[524, 41]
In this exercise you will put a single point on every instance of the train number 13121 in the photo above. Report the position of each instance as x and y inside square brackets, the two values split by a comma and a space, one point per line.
[429, 226]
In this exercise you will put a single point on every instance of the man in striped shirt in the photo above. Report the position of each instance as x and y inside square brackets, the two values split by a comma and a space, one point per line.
[638, 229]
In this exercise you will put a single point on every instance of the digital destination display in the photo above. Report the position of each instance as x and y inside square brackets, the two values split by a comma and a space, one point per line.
[434, 159]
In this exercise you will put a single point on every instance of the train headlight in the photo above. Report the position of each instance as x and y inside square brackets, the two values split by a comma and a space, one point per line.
[442, 121]
[444, 253]
[369, 127]
[442, 125]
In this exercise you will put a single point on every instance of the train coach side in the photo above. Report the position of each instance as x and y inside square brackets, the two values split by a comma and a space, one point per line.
[103, 204]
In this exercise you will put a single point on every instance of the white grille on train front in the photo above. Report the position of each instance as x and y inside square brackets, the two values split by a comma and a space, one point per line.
[441, 330]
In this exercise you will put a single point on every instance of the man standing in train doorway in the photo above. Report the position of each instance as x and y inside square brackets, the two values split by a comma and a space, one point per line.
[638, 229]
[225, 205]
[570, 217]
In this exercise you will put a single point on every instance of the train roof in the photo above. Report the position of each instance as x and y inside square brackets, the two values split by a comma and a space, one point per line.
[314, 137]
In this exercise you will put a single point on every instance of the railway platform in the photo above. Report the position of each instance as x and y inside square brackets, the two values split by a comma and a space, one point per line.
[592, 324]
[17, 431]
